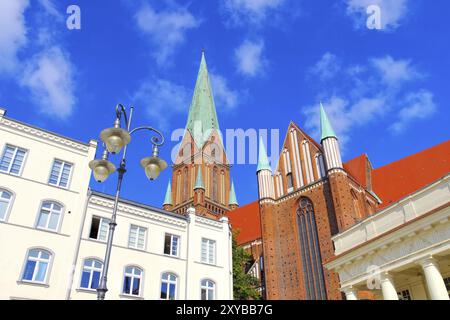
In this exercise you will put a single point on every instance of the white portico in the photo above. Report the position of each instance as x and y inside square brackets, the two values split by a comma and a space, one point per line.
[401, 252]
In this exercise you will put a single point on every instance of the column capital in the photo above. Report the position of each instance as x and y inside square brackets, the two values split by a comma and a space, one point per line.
[386, 276]
[428, 261]
[351, 293]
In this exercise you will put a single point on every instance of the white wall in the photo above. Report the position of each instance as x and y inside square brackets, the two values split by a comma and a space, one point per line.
[18, 232]
[187, 266]
[70, 245]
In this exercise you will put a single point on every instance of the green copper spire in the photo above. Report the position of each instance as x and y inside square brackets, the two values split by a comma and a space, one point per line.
[202, 112]
[263, 162]
[233, 199]
[325, 127]
[168, 198]
[199, 181]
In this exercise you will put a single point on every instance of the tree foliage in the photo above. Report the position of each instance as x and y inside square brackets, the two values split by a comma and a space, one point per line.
[244, 285]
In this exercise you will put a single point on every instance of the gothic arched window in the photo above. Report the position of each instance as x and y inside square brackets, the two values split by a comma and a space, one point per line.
[215, 185]
[310, 251]
[185, 184]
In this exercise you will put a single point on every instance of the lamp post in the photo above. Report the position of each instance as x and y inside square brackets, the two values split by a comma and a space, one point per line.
[114, 140]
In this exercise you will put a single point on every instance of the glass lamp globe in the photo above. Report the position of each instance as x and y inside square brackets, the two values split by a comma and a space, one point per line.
[115, 139]
[101, 169]
[153, 166]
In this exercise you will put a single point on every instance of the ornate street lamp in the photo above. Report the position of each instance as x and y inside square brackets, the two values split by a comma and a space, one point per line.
[114, 140]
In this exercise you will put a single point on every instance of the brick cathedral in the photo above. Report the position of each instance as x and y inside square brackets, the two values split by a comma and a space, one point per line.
[309, 197]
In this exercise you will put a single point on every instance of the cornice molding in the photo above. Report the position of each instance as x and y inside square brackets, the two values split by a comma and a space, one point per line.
[106, 203]
[45, 135]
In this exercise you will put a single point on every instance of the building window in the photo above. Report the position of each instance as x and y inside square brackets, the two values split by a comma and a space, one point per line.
[37, 266]
[171, 244]
[12, 160]
[168, 286]
[136, 239]
[99, 228]
[290, 182]
[92, 270]
[5, 204]
[60, 174]
[208, 251]
[404, 295]
[132, 281]
[185, 184]
[310, 252]
[50, 216]
[320, 166]
[207, 290]
[215, 185]
[447, 285]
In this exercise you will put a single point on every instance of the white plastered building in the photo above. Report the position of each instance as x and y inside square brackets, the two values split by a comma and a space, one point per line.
[53, 230]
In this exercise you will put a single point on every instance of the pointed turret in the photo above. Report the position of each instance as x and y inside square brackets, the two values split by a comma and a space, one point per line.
[168, 203]
[329, 142]
[199, 181]
[202, 116]
[264, 173]
[263, 162]
[233, 204]
[199, 190]
[326, 129]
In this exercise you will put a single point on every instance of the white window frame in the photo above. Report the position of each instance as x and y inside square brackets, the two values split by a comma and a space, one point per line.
[10, 203]
[16, 148]
[133, 276]
[137, 237]
[91, 270]
[207, 288]
[169, 282]
[99, 226]
[61, 214]
[172, 236]
[207, 241]
[38, 261]
[58, 182]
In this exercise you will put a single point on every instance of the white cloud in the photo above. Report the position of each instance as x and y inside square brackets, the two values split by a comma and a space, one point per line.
[49, 78]
[166, 29]
[13, 34]
[326, 68]
[253, 11]
[394, 72]
[50, 8]
[162, 99]
[419, 105]
[224, 96]
[392, 12]
[249, 58]
[366, 94]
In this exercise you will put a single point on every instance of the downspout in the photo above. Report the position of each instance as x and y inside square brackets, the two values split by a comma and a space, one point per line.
[77, 250]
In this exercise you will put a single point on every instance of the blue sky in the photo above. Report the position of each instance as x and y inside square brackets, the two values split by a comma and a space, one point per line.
[271, 61]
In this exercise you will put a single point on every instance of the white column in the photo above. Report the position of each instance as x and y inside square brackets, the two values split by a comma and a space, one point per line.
[435, 283]
[387, 287]
[350, 293]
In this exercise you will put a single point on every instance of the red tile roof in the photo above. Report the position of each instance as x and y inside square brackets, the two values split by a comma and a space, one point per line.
[391, 183]
[396, 180]
[246, 219]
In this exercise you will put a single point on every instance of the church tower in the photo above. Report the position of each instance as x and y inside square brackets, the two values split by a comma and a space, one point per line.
[201, 172]
[337, 177]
